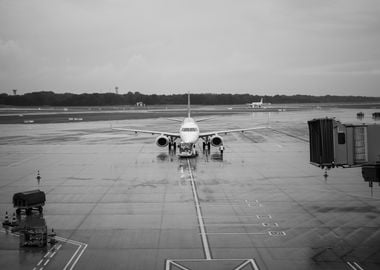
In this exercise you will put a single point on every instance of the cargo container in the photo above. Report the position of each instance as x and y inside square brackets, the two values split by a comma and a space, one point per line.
[376, 115]
[360, 115]
[29, 200]
[371, 172]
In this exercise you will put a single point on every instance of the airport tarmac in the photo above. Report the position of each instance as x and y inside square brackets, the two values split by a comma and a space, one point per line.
[117, 201]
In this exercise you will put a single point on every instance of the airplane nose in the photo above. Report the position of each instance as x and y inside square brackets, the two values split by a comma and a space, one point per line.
[190, 138]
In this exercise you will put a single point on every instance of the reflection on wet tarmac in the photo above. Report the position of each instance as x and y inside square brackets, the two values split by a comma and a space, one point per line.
[262, 201]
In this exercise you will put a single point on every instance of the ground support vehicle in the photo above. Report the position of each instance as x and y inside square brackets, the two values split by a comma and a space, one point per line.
[28, 201]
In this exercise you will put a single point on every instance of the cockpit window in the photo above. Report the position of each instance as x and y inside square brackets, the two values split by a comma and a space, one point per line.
[189, 129]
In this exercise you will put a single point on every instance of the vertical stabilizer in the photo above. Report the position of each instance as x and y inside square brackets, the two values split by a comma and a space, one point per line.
[188, 105]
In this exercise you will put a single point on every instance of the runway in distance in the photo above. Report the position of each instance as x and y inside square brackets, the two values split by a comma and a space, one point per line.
[189, 134]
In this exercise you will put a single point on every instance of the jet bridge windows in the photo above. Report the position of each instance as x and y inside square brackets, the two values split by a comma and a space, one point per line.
[341, 138]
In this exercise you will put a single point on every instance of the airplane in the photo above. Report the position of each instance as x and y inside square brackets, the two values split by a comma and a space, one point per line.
[189, 134]
[256, 104]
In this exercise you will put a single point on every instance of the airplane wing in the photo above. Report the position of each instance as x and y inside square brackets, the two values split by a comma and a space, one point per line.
[211, 133]
[175, 120]
[153, 132]
[204, 119]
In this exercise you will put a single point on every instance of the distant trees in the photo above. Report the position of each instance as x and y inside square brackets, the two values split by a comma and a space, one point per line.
[48, 98]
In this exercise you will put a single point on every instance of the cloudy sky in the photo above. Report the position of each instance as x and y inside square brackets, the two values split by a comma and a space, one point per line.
[262, 47]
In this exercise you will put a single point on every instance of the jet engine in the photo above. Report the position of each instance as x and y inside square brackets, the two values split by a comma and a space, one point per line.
[162, 141]
[216, 140]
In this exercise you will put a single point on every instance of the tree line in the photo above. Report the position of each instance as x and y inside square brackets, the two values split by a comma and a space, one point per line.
[49, 98]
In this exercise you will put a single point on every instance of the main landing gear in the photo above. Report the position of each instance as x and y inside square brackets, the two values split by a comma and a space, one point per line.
[172, 147]
[206, 145]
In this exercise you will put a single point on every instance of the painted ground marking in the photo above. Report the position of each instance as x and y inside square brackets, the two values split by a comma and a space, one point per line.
[264, 216]
[206, 246]
[238, 264]
[354, 266]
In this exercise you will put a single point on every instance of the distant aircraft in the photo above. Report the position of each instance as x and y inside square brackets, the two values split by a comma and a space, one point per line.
[256, 104]
[189, 134]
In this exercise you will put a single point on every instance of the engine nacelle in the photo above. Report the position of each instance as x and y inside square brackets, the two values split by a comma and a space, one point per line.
[162, 141]
[216, 140]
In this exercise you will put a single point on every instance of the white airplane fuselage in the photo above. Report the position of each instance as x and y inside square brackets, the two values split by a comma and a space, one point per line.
[189, 131]
[189, 135]
[256, 104]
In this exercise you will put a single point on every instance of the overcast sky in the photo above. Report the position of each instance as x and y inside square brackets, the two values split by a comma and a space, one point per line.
[263, 47]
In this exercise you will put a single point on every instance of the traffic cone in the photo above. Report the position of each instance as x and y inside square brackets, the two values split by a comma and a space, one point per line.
[14, 220]
[6, 219]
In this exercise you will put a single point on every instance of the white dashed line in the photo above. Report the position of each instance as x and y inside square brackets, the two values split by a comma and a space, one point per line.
[354, 266]
[358, 266]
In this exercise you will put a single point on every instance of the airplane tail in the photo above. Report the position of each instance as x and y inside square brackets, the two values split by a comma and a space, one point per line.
[261, 101]
[188, 105]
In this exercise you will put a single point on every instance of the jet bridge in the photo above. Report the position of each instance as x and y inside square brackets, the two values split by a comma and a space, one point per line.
[333, 144]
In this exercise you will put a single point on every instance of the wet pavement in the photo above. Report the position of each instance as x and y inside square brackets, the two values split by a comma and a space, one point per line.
[117, 201]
